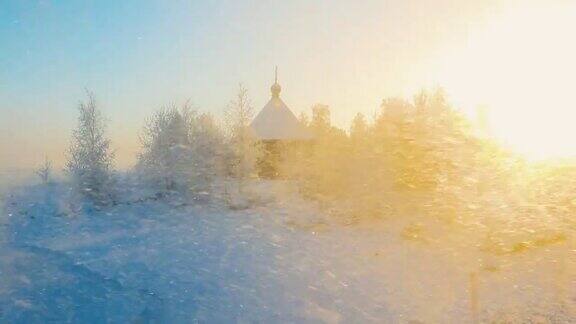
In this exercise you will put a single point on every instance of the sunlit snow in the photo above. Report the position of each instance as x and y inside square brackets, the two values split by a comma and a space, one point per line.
[202, 260]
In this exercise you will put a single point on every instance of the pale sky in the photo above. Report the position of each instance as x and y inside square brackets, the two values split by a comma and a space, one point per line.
[137, 55]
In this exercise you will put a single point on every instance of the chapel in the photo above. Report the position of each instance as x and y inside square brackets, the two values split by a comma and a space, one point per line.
[276, 128]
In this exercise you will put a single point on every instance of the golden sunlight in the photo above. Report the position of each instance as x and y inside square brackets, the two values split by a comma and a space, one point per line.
[521, 68]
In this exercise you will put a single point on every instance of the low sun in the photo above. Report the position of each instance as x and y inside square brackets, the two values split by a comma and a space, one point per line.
[521, 69]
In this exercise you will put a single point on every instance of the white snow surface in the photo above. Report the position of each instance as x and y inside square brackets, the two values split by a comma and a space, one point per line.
[209, 259]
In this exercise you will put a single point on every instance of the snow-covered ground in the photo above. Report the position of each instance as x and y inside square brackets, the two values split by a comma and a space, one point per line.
[177, 260]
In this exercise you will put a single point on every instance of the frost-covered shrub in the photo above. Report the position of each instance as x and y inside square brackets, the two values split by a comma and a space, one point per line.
[89, 156]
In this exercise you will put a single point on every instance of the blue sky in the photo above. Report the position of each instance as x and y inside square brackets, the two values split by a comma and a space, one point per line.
[139, 55]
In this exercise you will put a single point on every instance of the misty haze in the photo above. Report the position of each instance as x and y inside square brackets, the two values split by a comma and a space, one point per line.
[393, 161]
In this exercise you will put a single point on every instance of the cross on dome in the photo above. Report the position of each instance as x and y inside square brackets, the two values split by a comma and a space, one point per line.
[276, 88]
[276, 121]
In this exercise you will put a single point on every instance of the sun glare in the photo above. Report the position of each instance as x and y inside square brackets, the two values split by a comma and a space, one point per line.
[521, 69]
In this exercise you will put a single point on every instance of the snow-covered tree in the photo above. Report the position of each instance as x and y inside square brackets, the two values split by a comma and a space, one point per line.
[359, 126]
[243, 145]
[303, 119]
[89, 156]
[181, 150]
[208, 148]
[320, 123]
[166, 154]
[44, 172]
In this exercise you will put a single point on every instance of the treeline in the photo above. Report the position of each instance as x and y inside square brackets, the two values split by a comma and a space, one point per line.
[413, 157]
[182, 150]
[411, 154]
[422, 161]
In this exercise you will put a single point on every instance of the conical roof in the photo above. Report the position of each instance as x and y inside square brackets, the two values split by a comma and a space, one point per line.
[277, 122]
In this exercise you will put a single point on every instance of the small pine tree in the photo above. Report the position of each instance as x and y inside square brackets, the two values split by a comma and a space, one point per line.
[89, 156]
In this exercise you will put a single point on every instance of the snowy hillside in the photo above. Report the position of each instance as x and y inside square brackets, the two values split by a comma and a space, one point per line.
[176, 260]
